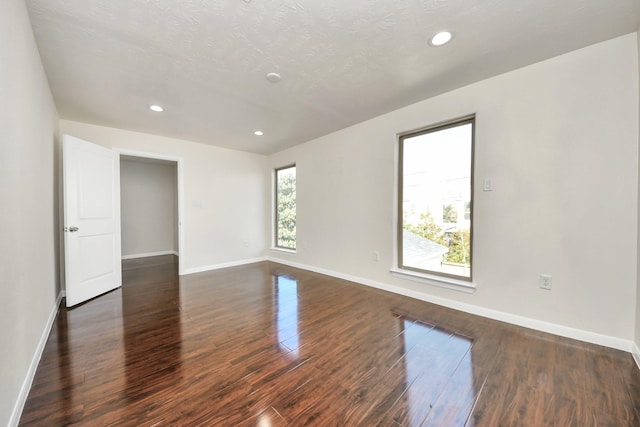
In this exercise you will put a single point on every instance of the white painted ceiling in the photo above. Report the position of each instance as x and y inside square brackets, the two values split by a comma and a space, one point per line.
[341, 61]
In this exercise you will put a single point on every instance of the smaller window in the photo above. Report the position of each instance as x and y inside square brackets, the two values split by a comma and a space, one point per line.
[285, 227]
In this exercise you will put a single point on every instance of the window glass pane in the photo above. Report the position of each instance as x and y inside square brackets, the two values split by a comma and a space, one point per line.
[286, 208]
[436, 201]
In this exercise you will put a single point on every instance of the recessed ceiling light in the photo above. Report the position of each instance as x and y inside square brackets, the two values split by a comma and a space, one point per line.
[156, 108]
[443, 37]
[274, 77]
[258, 133]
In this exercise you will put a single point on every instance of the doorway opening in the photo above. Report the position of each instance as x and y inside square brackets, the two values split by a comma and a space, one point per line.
[150, 206]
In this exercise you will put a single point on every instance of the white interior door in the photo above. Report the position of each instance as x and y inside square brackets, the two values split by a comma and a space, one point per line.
[91, 176]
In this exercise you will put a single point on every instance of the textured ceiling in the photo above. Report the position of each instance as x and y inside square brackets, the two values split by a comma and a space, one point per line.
[341, 61]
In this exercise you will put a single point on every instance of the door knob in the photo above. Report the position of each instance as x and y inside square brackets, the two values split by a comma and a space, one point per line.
[73, 229]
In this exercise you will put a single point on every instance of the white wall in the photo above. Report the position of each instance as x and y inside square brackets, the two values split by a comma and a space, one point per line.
[28, 251]
[224, 194]
[559, 139]
[148, 201]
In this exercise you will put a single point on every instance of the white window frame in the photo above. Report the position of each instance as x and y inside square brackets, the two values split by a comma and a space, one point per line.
[275, 209]
[436, 278]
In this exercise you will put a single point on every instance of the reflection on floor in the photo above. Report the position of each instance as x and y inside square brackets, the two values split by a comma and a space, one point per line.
[270, 345]
[286, 296]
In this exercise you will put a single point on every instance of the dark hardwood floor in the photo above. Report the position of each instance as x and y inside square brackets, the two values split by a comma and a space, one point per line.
[269, 345]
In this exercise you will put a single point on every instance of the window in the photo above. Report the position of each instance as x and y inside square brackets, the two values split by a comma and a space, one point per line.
[435, 220]
[285, 231]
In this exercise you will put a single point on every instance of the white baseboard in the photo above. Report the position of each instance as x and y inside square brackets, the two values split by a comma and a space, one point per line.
[635, 352]
[148, 254]
[33, 366]
[222, 265]
[539, 325]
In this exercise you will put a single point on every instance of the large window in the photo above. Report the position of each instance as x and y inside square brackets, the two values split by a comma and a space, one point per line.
[435, 212]
[285, 229]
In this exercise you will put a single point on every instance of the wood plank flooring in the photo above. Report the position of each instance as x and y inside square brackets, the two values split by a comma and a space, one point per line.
[269, 345]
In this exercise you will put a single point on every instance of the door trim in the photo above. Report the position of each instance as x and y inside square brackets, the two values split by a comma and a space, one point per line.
[180, 184]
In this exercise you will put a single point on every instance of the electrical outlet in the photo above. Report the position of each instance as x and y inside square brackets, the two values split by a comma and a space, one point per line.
[545, 282]
[376, 256]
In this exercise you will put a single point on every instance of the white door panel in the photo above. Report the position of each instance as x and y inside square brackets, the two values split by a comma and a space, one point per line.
[96, 187]
[91, 219]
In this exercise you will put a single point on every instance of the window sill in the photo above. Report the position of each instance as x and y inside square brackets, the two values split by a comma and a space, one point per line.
[430, 279]
[286, 251]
